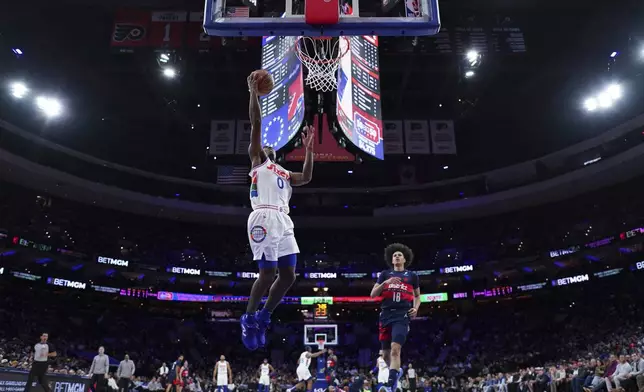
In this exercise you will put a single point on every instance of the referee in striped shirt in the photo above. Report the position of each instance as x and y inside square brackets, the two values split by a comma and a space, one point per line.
[43, 350]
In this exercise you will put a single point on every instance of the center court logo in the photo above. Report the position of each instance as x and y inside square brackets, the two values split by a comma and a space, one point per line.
[258, 234]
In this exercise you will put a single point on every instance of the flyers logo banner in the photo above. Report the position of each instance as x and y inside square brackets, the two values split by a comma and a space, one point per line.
[125, 32]
[130, 29]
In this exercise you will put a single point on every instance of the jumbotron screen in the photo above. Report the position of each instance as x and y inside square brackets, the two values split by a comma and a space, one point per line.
[358, 103]
[283, 108]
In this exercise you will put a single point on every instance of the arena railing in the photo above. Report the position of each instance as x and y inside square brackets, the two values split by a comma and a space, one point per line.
[561, 184]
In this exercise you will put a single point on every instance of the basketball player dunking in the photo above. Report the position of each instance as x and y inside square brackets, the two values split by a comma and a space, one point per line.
[265, 370]
[222, 375]
[400, 291]
[270, 229]
[304, 377]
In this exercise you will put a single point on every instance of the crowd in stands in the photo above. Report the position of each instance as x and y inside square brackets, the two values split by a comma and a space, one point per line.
[517, 345]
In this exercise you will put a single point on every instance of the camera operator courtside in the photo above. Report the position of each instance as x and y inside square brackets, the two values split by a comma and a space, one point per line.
[43, 350]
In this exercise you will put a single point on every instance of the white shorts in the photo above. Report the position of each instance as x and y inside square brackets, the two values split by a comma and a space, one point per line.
[264, 380]
[303, 374]
[222, 381]
[383, 376]
[270, 234]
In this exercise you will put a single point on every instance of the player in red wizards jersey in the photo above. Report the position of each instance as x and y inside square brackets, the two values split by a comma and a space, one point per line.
[400, 292]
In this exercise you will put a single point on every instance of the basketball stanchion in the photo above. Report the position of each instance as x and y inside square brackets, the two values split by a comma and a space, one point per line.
[320, 382]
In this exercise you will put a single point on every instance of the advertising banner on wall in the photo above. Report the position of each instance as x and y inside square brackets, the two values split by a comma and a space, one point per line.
[15, 381]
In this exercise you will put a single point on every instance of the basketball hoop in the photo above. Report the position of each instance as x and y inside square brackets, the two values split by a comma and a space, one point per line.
[322, 55]
[321, 344]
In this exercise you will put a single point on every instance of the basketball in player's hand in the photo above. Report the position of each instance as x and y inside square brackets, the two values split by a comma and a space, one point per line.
[264, 82]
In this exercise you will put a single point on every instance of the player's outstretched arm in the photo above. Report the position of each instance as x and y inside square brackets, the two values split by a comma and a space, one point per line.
[317, 354]
[255, 116]
[303, 178]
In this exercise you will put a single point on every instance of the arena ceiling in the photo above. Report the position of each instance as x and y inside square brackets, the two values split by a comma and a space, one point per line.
[524, 105]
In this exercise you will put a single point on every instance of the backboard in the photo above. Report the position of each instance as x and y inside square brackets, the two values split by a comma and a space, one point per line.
[316, 18]
[315, 332]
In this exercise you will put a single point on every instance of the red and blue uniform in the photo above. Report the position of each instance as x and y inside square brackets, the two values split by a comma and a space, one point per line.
[397, 300]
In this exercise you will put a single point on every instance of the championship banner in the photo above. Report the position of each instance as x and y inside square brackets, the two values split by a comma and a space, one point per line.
[443, 138]
[393, 137]
[15, 381]
[167, 29]
[196, 38]
[243, 137]
[130, 30]
[416, 137]
[222, 137]
[326, 148]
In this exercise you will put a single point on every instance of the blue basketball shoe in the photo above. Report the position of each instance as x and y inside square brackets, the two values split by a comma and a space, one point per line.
[263, 320]
[250, 331]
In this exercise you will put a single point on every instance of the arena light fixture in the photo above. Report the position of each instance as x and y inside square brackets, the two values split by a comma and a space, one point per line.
[469, 74]
[614, 91]
[164, 58]
[605, 99]
[473, 57]
[50, 106]
[169, 72]
[591, 104]
[18, 90]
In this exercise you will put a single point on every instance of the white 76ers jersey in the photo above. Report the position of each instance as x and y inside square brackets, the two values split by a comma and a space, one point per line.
[265, 369]
[270, 186]
[304, 361]
[382, 365]
[222, 369]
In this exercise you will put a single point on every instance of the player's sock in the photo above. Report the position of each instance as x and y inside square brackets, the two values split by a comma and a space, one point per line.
[263, 318]
[393, 379]
[250, 331]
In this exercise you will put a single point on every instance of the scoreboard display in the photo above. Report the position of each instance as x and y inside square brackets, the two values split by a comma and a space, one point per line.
[358, 102]
[283, 108]
[321, 312]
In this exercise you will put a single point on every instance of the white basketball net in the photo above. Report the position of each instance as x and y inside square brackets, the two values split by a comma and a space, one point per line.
[321, 344]
[322, 59]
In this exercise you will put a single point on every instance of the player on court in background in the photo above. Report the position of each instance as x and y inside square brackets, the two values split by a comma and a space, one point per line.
[265, 370]
[304, 378]
[400, 291]
[382, 369]
[270, 229]
[222, 375]
[174, 375]
[331, 366]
